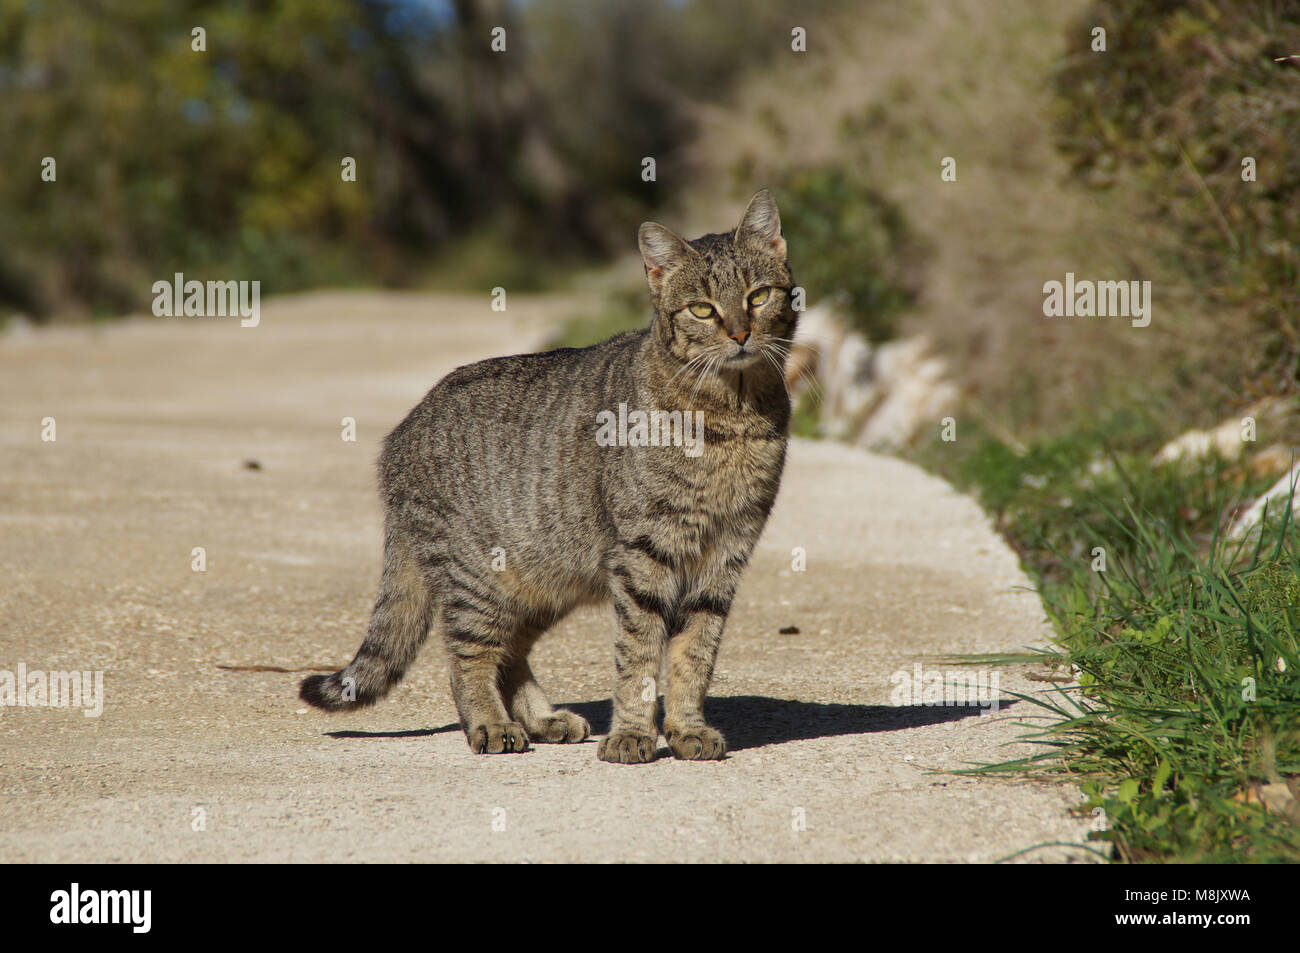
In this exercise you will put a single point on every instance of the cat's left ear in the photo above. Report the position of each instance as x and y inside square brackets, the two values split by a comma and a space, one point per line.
[761, 224]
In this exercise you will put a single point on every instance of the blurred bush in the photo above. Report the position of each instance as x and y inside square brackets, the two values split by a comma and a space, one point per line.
[853, 245]
[1186, 90]
[227, 162]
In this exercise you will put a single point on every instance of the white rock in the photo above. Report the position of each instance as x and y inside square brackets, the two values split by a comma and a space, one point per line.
[881, 398]
[1274, 500]
[1225, 440]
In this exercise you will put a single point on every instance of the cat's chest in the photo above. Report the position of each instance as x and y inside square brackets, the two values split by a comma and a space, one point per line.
[734, 475]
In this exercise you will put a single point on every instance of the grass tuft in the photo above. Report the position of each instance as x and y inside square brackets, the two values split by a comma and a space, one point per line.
[1179, 698]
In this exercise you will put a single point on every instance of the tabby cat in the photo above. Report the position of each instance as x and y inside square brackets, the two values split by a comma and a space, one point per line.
[509, 502]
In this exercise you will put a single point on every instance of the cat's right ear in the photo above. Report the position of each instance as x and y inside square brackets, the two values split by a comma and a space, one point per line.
[661, 249]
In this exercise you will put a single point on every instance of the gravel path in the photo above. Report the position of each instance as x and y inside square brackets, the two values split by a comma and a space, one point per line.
[183, 433]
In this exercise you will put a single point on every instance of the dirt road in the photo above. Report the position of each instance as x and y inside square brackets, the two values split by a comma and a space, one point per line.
[177, 434]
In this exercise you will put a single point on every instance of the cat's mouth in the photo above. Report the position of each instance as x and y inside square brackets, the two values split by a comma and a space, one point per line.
[741, 357]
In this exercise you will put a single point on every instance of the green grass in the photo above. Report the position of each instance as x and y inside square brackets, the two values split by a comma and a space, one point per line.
[1179, 663]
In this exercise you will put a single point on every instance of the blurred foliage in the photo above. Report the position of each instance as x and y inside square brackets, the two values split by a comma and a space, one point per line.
[806, 418]
[622, 309]
[228, 161]
[853, 245]
[1185, 91]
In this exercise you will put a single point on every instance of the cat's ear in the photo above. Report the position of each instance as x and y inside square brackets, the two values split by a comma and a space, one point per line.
[761, 224]
[661, 249]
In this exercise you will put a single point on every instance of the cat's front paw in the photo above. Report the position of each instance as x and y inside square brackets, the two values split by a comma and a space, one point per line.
[697, 743]
[627, 747]
[560, 727]
[500, 738]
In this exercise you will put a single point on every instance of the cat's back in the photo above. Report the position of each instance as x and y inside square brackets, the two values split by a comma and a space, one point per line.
[545, 377]
[520, 412]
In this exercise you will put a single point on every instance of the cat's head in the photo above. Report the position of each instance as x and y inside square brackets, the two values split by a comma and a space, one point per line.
[723, 298]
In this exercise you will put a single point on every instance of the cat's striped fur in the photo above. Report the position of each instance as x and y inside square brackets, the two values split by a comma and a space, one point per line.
[504, 512]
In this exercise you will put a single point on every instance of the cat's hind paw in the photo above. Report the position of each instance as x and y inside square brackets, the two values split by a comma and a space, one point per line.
[697, 744]
[560, 727]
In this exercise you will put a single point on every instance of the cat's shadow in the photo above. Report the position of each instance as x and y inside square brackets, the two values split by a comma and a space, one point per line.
[753, 721]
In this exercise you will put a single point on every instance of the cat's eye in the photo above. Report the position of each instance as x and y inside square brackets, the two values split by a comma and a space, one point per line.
[759, 296]
[702, 310]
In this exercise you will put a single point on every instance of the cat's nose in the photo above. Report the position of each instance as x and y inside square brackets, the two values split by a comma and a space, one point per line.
[740, 337]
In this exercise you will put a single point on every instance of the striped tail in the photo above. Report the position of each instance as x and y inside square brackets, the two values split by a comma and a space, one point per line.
[398, 627]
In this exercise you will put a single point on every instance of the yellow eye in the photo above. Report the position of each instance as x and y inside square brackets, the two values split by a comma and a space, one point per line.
[759, 296]
[702, 310]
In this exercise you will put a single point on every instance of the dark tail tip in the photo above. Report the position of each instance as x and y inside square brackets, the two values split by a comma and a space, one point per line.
[325, 692]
